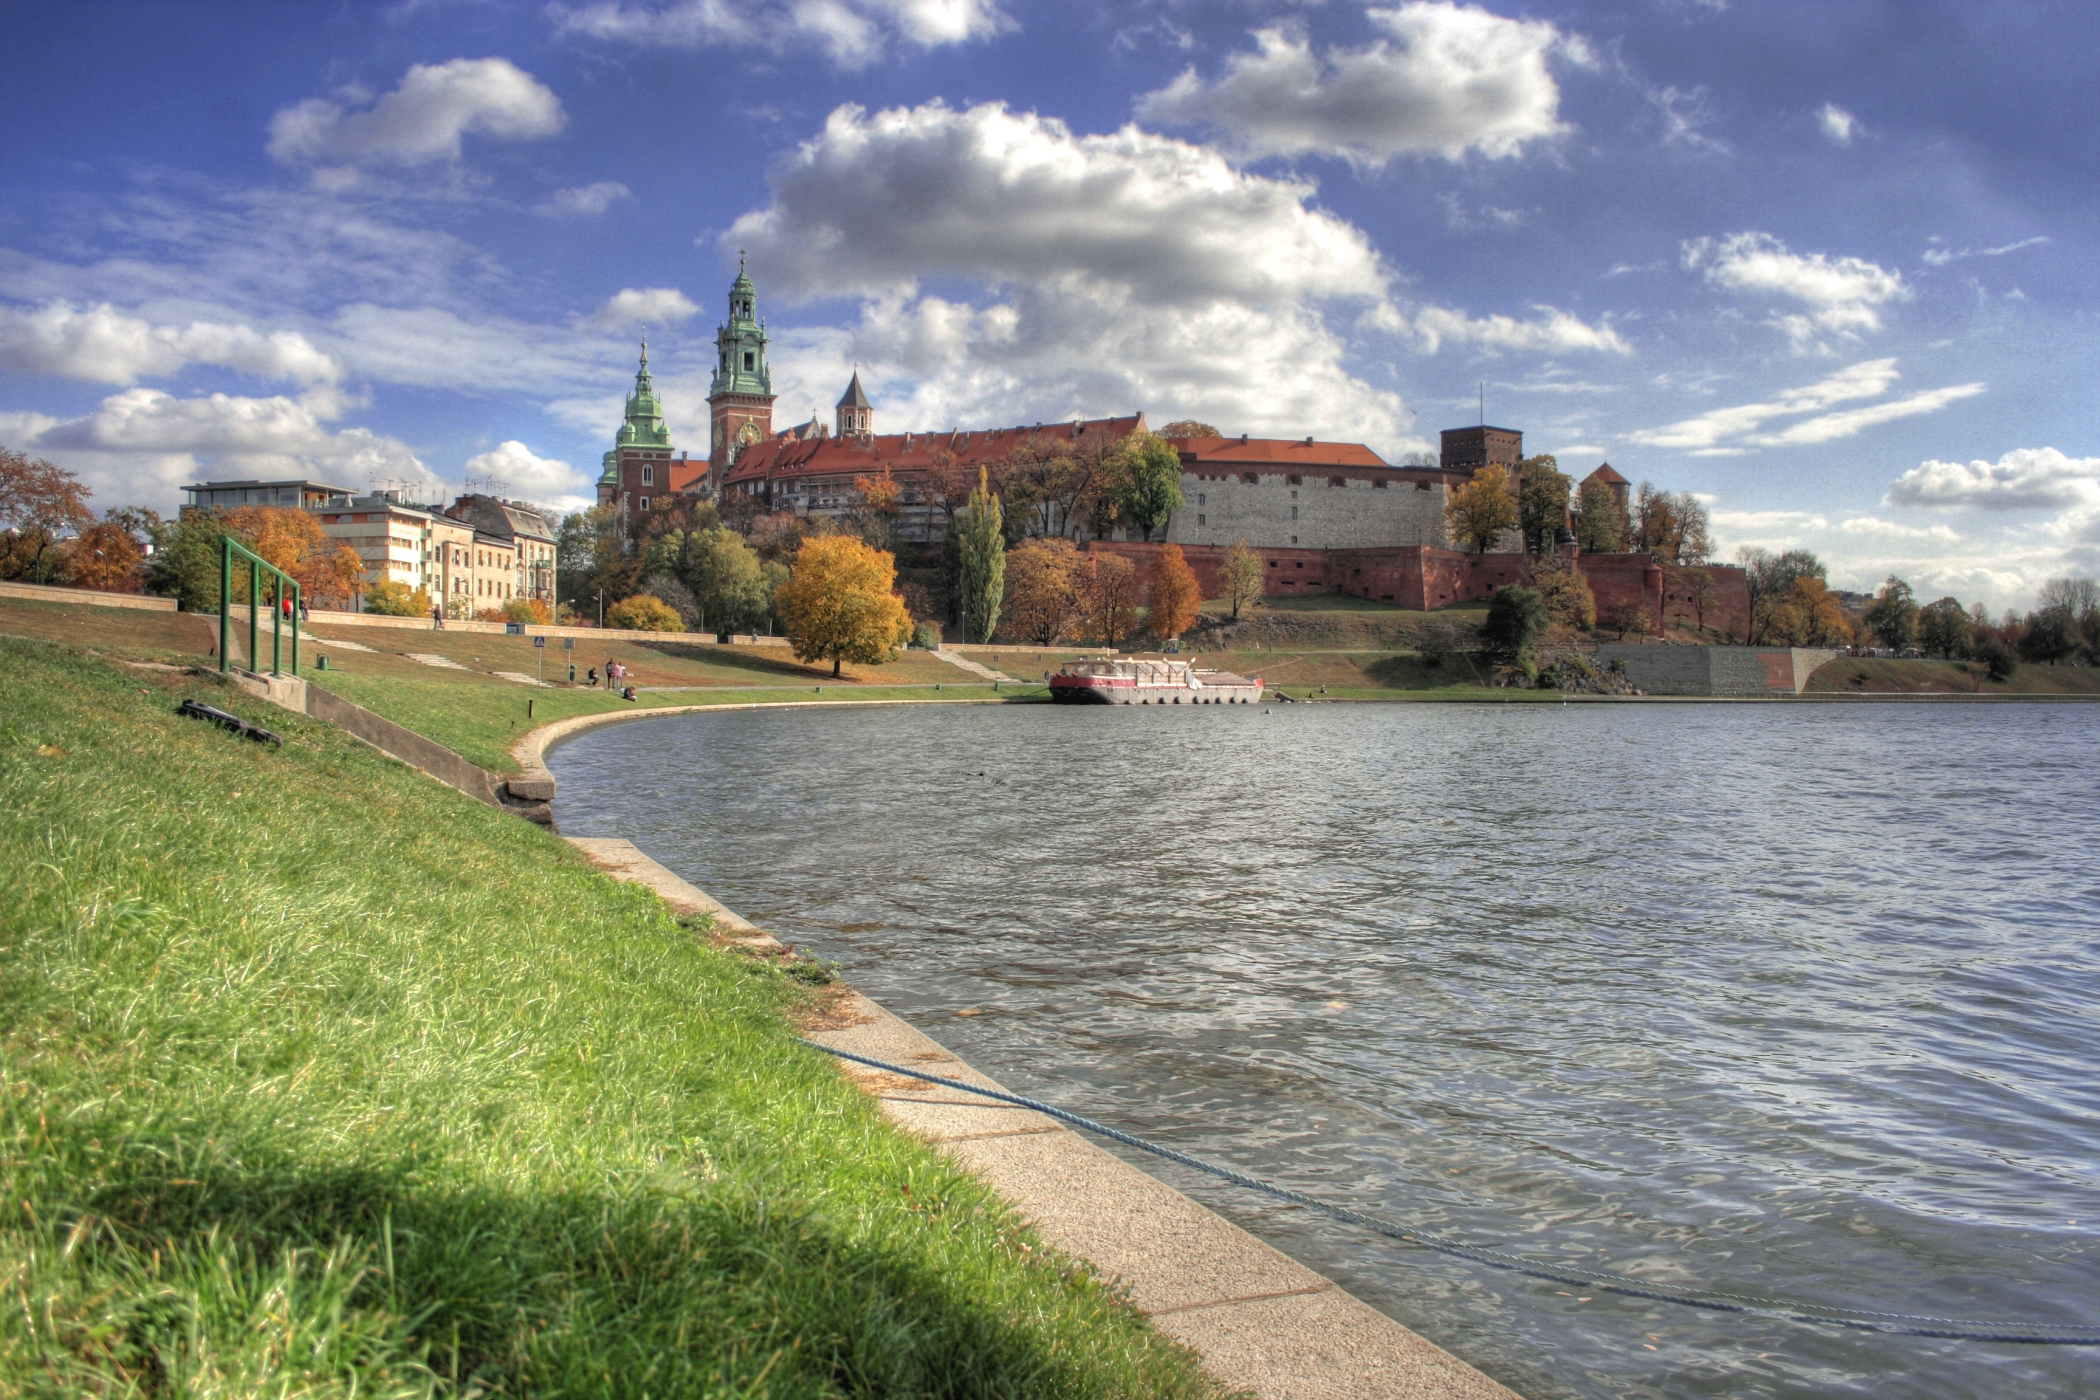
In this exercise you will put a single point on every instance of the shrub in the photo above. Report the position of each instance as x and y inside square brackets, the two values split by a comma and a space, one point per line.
[391, 599]
[1516, 619]
[644, 612]
[1996, 658]
[927, 636]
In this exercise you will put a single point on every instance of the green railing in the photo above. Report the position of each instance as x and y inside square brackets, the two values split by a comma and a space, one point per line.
[287, 591]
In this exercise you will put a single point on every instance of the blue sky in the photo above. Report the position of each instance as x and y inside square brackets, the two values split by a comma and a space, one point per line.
[1830, 267]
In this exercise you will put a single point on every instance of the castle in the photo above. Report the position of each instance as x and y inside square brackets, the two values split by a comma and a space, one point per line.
[1326, 516]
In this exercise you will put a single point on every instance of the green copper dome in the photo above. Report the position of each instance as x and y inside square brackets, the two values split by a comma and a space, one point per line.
[645, 412]
[740, 344]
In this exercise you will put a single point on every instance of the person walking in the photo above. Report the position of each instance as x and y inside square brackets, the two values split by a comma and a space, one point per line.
[437, 617]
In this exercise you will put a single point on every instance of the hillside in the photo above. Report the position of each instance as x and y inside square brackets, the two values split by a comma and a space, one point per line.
[321, 1079]
[1867, 675]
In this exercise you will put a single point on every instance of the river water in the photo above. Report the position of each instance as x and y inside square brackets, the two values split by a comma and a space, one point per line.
[1792, 1001]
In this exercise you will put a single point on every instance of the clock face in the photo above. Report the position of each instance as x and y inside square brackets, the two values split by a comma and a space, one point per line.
[721, 434]
[748, 433]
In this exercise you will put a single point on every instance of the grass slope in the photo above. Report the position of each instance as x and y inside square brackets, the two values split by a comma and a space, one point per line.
[1870, 675]
[319, 1079]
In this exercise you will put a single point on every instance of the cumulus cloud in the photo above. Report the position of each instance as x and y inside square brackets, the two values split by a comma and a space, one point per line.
[1449, 80]
[649, 305]
[592, 199]
[1720, 430]
[1839, 126]
[2027, 478]
[852, 33]
[1842, 294]
[141, 445]
[1874, 527]
[422, 120]
[1553, 331]
[515, 470]
[103, 344]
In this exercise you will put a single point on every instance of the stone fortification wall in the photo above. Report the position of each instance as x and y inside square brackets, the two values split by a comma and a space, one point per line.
[1742, 671]
[1334, 508]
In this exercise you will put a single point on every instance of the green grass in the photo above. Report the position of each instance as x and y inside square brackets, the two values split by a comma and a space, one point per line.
[1870, 675]
[320, 1079]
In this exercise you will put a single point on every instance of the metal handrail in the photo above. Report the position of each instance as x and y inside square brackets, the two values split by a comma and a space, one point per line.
[229, 547]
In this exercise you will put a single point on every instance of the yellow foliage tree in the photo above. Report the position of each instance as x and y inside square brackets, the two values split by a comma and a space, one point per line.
[105, 557]
[644, 612]
[1244, 579]
[1041, 590]
[294, 541]
[1174, 594]
[840, 603]
[1479, 511]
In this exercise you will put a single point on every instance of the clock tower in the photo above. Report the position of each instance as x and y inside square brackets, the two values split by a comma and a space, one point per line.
[740, 397]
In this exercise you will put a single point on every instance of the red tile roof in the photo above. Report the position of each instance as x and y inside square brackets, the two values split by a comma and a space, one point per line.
[1232, 452]
[1606, 475]
[865, 455]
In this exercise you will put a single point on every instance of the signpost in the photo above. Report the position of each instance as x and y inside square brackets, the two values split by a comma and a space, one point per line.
[539, 655]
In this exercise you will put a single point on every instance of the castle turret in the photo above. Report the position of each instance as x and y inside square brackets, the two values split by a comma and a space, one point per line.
[855, 413]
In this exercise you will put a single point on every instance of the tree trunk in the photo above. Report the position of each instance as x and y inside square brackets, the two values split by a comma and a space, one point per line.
[834, 668]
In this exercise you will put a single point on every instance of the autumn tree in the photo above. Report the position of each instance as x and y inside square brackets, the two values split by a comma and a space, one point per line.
[1893, 615]
[880, 509]
[392, 598]
[980, 537]
[105, 557]
[39, 503]
[1542, 502]
[1174, 597]
[1672, 526]
[1147, 476]
[1188, 428]
[1244, 578]
[1806, 615]
[1108, 594]
[1630, 618]
[1944, 628]
[1600, 526]
[1042, 595]
[840, 603]
[1770, 579]
[644, 612]
[1691, 588]
[592, 558]
[1565, 592]
[1476, 514]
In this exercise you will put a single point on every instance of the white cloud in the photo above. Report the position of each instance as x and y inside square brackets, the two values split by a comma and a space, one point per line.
[1831, 426]
[592, 199]
[649, 305]
[1839, 126]
[422, 120]
[1553, 332]
[1876, 528]
[852, 33]
[1112, 273]
[515, 470]
[140, 445]
[1450, 80]
[1866, 380]
[1940, 257]
[1841, 294]
[2027, 478]
[102, 344]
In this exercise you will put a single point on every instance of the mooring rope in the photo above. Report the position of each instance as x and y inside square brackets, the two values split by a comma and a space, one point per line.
[1859, 1319]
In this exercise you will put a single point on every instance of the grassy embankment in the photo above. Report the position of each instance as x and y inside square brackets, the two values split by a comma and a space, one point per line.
[318, 1078]
[1867, 675]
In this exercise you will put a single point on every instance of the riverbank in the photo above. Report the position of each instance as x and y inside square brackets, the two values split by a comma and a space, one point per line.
[468, 1115]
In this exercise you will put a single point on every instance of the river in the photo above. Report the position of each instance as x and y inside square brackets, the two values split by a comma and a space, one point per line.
[1797, 1001]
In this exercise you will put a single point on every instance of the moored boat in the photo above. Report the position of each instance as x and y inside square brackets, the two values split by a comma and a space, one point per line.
[1131, 682]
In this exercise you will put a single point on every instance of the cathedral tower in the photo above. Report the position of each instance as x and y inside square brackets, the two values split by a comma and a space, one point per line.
[741, 395]
[855, 413]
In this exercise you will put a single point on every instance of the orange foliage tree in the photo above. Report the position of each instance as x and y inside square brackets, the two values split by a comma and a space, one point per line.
[1108, 594]
[38, 503]
[1174, 594]
[294, 541]
[1042, 596]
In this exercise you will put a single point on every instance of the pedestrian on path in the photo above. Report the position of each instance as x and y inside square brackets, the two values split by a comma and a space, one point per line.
[437, 618]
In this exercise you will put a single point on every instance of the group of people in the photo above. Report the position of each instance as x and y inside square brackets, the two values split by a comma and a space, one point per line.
[615, 678]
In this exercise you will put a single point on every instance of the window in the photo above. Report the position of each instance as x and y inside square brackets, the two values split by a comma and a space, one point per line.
[1199, 498]
[1295, 480]
[1200, 520]
[1294, 540]
[1294, 512]
[645, 503]
[648, 475]
[1378, 485]
[747, 359]
[1251, 479]
[1337, 481]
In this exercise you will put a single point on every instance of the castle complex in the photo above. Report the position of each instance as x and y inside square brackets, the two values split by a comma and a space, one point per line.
[1326, 516]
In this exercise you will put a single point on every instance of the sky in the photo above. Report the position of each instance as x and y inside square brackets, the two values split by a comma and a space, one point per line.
[1832, 268]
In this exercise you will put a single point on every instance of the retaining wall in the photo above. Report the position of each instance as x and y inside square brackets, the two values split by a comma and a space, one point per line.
[1744, 671]
[94, 598]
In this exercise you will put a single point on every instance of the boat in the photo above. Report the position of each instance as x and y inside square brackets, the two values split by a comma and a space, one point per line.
[1119, 682]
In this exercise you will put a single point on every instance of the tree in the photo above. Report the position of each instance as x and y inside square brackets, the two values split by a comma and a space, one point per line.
[1997, 659]
[1630, 616]
[840, 603]
[1042, 589]
[881, 507]
[1244, 578]
[592, 558]
[1770, 579]
[39, 502]
[1188, 427]
[669, 589]
[1108, 595]
[1542, 502]
[186, 566]
[105, 557]
[1565, 591]
[526, 610]
[644, 612]
[1693, 588]
[390, 598]
[729, 585]
[1672, 527]
[1477, 513]
[1147, 474]
[1173, 599]
[2051, 636]
[1600, 526]
[980, 537]
[1516, 619]
[1944, 628]
[1893, 615]
[2078, 598]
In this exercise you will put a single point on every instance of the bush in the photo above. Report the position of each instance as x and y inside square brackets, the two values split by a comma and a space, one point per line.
[927, 636]
[644, 612]
[1516, 619]
[1996, 658]
[530, 610]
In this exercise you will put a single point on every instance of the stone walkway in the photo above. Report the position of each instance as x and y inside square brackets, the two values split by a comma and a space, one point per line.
[1259, 1319]
[431, 659]
[973, 667]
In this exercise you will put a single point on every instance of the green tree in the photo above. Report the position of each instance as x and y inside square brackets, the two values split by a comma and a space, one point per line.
[1542, 502]
[1893, 615]
[1997, 659]
[186, 567]
[840, 603]
[1770, 579]
[1476, 514]
[2051, 636]
[1244, 578]
[1944, 628]
[391, 598]
[1600, 526]
[980, 537]
[1188, 428]
[1147, 475]
[1516, 619]
[593, 560]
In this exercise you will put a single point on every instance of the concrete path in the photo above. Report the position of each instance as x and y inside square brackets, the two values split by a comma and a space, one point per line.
[973, 667]
[1259, 1319]
[431, 659]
